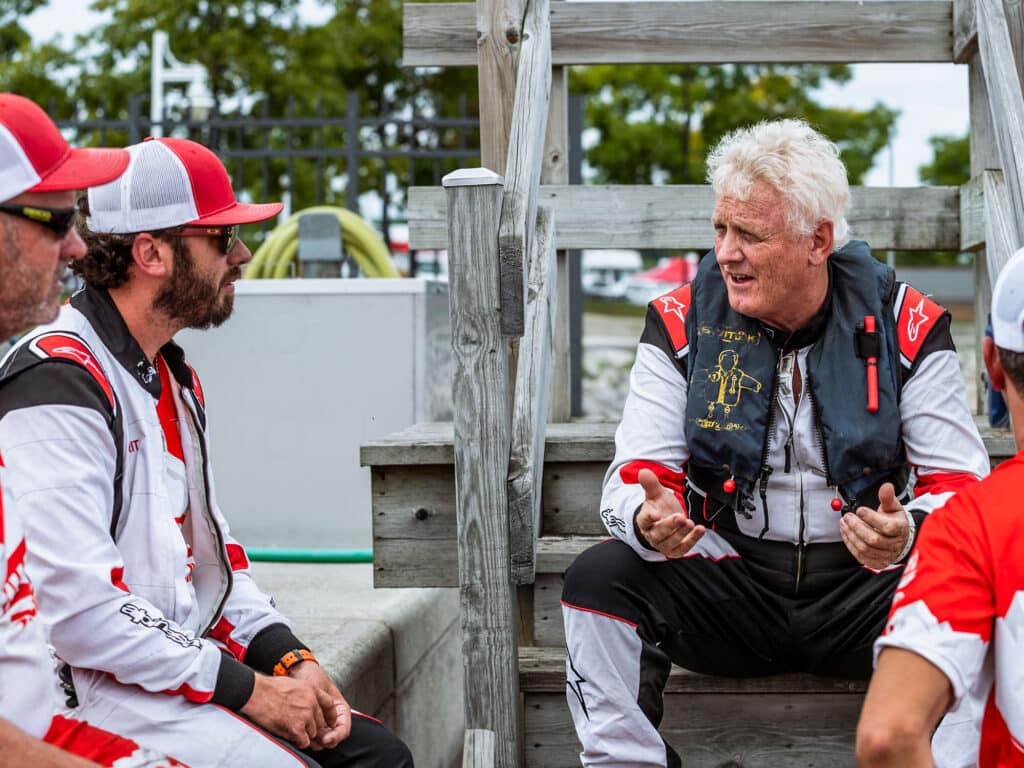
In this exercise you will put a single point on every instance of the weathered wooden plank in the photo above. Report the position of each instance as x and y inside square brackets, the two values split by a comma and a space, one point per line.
[965, 31]
[972, 214]
[899, 218]
[996, 51]
[555, 170]
[542, 670]
[719, 730]
[574, 442]
[548, 629]
[522, 170]
[496, 34]
[480, 407]
[530, 415]
[984, 156]
[431, 443]
[999, 225]
[703, 31]
[478, 749]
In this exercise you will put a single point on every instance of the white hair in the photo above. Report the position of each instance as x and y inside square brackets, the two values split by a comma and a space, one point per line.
[793, 158]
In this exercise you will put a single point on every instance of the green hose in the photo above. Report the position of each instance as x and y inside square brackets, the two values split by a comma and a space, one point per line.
[274, 258]
[276, 555]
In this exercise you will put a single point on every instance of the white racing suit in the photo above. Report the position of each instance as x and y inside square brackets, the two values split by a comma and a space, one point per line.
[147, 597]
[28, 683]
[628, 613]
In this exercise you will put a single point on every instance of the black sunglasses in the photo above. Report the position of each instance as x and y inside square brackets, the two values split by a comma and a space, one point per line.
[228, 235]
[57, 220]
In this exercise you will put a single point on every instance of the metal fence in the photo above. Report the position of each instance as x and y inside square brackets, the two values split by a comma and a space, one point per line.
[307, 160]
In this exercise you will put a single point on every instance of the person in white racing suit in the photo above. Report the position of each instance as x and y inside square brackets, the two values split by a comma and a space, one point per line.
[794, 414]
[149, 600]
[39, 174]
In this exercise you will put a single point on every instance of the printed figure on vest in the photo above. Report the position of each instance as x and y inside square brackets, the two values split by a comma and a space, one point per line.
[955, 638]
[794, 413]
[150, 602]
[39, 174]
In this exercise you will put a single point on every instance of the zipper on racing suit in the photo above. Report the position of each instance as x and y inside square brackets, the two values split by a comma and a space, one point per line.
[198, 435]
[819, 439]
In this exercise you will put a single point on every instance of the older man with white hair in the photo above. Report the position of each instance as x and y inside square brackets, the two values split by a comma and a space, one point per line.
[794, 414]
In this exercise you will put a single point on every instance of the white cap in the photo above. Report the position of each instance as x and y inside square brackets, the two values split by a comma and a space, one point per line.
[169, 183]
[1008, 305]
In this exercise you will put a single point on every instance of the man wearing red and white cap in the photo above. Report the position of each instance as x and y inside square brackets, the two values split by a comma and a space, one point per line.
[955, 637]
[150, 601]
[39, 174]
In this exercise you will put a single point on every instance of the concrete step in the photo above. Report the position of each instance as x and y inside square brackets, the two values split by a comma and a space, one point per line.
[394, 654]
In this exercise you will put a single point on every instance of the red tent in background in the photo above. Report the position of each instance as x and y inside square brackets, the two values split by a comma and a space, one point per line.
[670, 273]
[677, 270]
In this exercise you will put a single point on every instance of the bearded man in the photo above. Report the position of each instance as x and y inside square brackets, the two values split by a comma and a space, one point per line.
[103, 426]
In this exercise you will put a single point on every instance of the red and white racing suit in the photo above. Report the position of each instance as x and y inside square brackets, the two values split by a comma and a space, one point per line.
[28, 684]
[145, 594]
[960, 605]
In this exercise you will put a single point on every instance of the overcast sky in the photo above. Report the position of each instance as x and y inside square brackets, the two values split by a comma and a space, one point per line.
[932, 98]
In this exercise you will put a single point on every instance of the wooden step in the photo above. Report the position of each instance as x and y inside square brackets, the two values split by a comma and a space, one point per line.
[413, 497]
[783, 721]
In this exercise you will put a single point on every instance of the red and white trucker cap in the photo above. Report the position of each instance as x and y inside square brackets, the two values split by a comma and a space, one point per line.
[1008, 305]
[34, 157]
[170, 183]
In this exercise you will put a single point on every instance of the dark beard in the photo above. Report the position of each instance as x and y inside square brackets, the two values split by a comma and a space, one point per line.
[190, 300]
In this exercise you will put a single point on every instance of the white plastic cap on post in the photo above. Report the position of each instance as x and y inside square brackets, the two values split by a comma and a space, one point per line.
[1008, 305]
[472, 177]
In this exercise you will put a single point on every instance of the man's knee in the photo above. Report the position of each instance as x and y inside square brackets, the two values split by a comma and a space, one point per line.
[596, 578]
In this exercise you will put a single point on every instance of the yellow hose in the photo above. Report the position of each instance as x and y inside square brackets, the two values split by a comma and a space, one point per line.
[274, 258]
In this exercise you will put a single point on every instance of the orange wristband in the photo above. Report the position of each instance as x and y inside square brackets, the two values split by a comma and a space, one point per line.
[292, 658]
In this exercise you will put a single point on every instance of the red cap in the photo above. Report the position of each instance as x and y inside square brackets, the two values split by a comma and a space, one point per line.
[170, 183]
[34, 156]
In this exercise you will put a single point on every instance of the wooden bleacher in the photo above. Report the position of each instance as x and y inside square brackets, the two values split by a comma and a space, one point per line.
[503, 509]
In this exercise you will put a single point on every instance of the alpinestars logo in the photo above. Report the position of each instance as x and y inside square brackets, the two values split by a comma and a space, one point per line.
[612, 521]
[19, 600]
[140, 616]
[575, 683]
[673, 305]
[916, 320]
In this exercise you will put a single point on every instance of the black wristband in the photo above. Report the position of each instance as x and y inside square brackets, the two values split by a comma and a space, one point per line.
[638, 533]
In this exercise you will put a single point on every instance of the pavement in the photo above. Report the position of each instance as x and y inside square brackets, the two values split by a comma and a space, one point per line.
[394, 654]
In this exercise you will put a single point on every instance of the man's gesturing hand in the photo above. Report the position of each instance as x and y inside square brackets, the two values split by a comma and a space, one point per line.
[291, 709]
[876, 537]
[662, 521]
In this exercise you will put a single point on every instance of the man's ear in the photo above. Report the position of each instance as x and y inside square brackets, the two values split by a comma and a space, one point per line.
[822, 240]
[996, 374]
[151, 255]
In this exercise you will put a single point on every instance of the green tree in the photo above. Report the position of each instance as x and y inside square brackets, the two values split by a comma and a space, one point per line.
[656, 123]
[951, 162]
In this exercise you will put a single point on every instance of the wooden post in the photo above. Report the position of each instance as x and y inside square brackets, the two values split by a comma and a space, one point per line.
[556, 171]
[1007, 105]
[478, 749]
[499, 29]
[522, 176]
[533, 382]
[481, 418]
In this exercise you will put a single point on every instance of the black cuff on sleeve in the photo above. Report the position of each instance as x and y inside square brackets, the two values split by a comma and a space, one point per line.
[235, 683]
[269, 645]
[636, 531]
